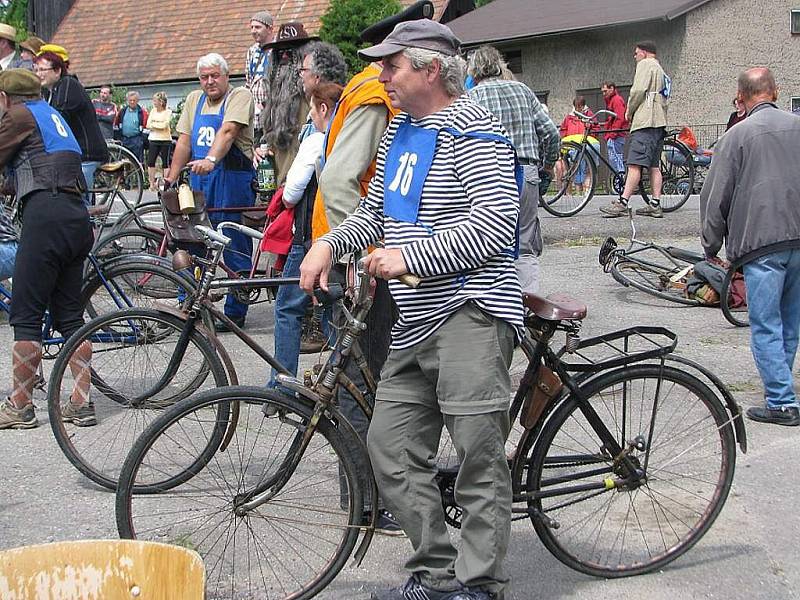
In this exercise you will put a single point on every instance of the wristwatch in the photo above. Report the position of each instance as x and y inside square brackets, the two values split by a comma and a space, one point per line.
[213, 159]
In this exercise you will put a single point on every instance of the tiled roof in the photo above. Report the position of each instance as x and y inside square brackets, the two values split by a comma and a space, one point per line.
[142, 41]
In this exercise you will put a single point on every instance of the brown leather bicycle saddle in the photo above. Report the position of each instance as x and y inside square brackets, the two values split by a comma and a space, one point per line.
[556, 307]
[113, 167]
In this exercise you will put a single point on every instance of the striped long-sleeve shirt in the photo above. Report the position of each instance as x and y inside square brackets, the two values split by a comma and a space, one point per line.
[461, 242]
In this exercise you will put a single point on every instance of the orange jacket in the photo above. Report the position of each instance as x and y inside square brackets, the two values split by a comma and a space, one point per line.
[363, 89]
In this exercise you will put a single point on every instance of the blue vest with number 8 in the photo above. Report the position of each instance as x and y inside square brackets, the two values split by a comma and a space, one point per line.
[56, 134]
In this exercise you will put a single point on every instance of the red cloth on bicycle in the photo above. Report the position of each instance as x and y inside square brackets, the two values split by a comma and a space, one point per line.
[279, 232]
[686, 135]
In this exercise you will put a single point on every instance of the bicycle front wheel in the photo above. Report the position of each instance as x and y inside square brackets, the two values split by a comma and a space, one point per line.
[653, 273]
[123, 360]
[574, 181]
[677, 175]
[674, 429]
[295, 541]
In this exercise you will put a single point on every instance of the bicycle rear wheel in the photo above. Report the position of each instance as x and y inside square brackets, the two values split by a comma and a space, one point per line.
[574, 182]
[131, 350]
[655, 273]
[677, 174]
[687, 455]
[130, 282]
[290, 546]
[149, 213]
[134, 241]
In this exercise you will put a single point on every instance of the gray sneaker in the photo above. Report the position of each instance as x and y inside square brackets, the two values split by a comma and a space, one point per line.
[615, 209]
[12, 417]
[650, 210]
[80, 416]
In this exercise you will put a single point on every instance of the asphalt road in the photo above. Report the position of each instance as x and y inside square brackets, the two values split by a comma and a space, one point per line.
[748, 553]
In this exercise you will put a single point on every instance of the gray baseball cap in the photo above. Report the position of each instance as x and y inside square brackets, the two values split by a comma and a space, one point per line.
[422, 33]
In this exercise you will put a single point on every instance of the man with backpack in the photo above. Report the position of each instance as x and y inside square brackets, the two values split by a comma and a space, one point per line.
[647, 113]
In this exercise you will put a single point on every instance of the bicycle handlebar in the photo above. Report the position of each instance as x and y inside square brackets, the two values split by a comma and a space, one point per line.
[594, 118]
[248, 231]
[213, 235]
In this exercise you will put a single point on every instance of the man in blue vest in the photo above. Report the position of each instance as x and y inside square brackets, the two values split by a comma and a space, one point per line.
[216, 142]
[41, 150]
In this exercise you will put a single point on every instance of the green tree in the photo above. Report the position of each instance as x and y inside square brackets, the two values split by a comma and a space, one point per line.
[15, 13]
[345, 19]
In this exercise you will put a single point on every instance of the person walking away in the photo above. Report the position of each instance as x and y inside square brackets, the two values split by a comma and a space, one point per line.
[530, 128]
[160, 138]
[751, 202]
[615, 140]
[37, 143]
[647, 112]
[445, 200]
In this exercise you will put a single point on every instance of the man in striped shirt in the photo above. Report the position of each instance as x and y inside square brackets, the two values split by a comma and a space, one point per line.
[445, 200]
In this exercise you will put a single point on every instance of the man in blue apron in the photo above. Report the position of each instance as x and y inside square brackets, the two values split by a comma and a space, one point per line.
[38, 145]
[445, 199]
[216, 142]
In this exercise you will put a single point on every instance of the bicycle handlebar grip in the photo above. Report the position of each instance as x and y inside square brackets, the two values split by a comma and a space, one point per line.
[410, 280]
[335, 292]
[248, 231]
[213, 235]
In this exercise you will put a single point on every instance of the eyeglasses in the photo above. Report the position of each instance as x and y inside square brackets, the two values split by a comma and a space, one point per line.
[43, 69]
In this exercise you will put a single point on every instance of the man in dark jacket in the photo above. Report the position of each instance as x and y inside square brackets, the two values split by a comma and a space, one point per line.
[751, 201]
[38, 145]
[66, 94]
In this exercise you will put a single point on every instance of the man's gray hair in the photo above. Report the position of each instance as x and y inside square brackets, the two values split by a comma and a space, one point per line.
[486, 62]
[131, 94]
[451, 72]
[756, 82]
[212, 60]
[327, 61]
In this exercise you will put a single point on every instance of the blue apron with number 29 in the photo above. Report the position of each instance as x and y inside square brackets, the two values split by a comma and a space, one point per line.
[409, 161]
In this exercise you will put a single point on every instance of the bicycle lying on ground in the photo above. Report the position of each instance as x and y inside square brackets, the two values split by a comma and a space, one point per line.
[576, 180]
[624, 463]
[663, 272]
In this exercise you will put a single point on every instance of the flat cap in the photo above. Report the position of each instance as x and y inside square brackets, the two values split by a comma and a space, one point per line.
[20, 82]
[423, 33]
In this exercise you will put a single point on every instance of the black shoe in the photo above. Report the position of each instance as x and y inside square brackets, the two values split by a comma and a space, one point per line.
[222, 327]
[777, 416]
[412, 590]
[386, 524]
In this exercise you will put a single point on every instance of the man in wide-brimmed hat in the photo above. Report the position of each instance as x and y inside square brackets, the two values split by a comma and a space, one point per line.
[9, 55]
[286, 107]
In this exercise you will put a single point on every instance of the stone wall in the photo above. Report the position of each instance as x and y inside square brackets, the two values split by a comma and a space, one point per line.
[703, 52]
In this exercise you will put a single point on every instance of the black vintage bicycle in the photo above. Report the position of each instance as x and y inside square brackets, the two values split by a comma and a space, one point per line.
[625, 460]
[664, 272]
[576, 172]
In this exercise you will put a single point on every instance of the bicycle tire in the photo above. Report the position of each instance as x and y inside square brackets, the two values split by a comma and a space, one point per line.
[677, 176]
[649, 277]
[131, 349]
[128, 242]
[144, 211]
[132, 281]
[134, 176]
[563, 203]
[314, 537]
[577, 451]
[739, 317]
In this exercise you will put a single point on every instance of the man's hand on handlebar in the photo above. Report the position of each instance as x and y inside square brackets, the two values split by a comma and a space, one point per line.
[315, 267]
[386, 263]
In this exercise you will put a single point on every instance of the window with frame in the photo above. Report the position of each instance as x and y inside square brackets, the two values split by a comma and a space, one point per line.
[794, 25]
[542, 96]
[513, 59]
[795, 104]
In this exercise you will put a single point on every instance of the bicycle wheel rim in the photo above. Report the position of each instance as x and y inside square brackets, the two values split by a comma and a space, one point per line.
[570, 192]
[130, 351]
[291, 546]
[128, 242]
[677, 176]
[652, 279]
[688, 461]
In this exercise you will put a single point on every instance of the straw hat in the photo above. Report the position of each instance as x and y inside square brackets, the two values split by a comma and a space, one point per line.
[8, 32]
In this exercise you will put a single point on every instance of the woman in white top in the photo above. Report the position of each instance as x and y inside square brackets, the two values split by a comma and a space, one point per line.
[298, 193]
[160, 138]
